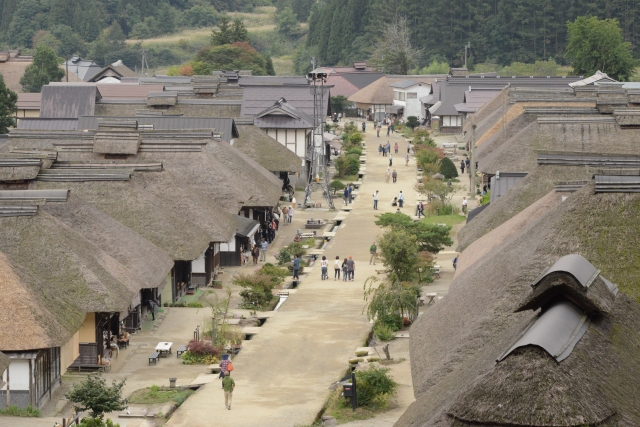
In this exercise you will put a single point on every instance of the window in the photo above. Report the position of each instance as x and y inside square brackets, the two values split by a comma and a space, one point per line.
[396, 95]
[412, 95]
[402, 96]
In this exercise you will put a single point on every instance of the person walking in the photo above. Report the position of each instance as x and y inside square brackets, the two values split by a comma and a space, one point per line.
[345, 270]
[384, 151]
[467, 162]
[387, 175]
[351, 268]
[390, 160]
[336, 268]
[394, 175]
[420, 209]
[263, 250]
[345, 195]
[350, 193]
[393, 128]
[408, 147]
[285, 215]
[255, 253]
[465, 203]
[291, 211]
[388, 147]
[378, 130]
[364, 126]
[375, 200]
[380, 150]
[388, 129]
[462, 165]
[455, 263]
[296, 267]
[395, 147]
[406, 160]
[228, 384]
[153, 308]
[324, 267]
[373, 249]
[401, 199]
[224, 363]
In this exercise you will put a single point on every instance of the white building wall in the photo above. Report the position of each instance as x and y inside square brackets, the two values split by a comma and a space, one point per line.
[18, 375]
[197, 265]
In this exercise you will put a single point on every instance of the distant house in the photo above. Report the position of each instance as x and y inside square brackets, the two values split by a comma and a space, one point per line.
[113, 73]
[28, 105]
[83, 69]
[406, 96]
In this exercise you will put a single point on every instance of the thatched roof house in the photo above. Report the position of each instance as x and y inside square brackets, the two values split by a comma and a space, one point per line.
[265, 150]
[491, 314]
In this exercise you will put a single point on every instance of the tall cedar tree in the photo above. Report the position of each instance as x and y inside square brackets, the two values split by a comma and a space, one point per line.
[229, 32]
[598, 45]
[45, 68]
[8, 108]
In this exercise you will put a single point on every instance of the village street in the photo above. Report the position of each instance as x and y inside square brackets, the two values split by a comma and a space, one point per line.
[283, 374]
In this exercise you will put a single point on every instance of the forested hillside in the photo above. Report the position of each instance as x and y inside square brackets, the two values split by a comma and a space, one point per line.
[500, 31]
[73, 24]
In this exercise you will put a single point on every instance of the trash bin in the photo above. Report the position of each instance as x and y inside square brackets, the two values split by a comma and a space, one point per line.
[347, 390]
[172, 382]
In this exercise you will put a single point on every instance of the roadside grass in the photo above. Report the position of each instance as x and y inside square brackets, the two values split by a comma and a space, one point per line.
[339, 408]
[155, 394]
[14, 411]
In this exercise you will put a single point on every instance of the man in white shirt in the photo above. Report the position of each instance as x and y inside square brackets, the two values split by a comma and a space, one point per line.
[465, 202]
[401, 199]
[375, 200]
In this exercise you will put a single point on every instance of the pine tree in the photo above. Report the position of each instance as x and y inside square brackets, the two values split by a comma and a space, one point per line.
[447, 168]
[8, 107]
[45, 68]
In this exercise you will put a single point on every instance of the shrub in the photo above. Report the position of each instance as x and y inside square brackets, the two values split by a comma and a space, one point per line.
[202, 348]
[355, 150]
[356, 138]
[391, 320]
[412, 122]
[374, 387]
[276, 273]
[439, 208]
[484, 200]
[337, 185]
[258, 288]
[428, 156]
[189, 358]
[362, 353]
[347, 165]
[97, 422]
[383, 332]
[422, 137]
[195, 304]
[448, 169]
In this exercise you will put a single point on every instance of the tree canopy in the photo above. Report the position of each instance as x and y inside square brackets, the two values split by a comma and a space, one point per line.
[45, 68]
[235, 56]
[8, 100]
[429, 237]
[394, 52]
[229, 33]
[596, 44]
[95, 396]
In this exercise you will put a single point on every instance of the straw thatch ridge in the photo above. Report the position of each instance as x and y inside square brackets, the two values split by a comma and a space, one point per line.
[540, 181]
[268, 152]
[458, 340]
[31, 316]
[378, 93]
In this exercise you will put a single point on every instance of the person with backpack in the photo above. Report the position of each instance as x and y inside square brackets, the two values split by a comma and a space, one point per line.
[345, 270]
[224, 364]
[373, 249]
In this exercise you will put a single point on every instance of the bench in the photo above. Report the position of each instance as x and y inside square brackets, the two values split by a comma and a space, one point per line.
[91, 366]
[154, 357]
[181, 350]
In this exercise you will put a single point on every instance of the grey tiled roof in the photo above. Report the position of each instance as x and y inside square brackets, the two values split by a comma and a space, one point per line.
[256, 99]
[68, 102]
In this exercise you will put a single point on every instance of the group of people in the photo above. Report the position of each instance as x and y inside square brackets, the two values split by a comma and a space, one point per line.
[228, 384]
[347, 267]
[347, 194]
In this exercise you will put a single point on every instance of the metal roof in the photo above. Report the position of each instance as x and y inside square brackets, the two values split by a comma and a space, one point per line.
[577, 159]
[256, 99]
[71, 102]
[404, 84]
[597, 77]
[225, 126]
[246, 226]
[282, 122]
[361, 80]
[505, 182]
[273, 80]
[43, 123]
[617, 184]
[557, 330]
[47, 195]
[575, 265]
[29, 101]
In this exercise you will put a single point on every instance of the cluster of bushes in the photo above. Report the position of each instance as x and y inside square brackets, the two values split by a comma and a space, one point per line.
[194, 304]
[348, 163]
[258, 286]
[200, 352]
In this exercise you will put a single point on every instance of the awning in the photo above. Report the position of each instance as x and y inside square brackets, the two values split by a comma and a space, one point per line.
[246, 227]
[395, 109]
[427, 99]
[433, 109]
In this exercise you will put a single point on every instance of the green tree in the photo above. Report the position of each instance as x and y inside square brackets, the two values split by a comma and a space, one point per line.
[287, 22]
[429, 237]
[224, 34]
[95, 396]
[399, 253]
[269, 66]
[339, 103]
[239, 32]
[8, 107]
[388, 300]
[236, 56]
[45, 68]
[447, 168]
[412, 122]
[596, 44]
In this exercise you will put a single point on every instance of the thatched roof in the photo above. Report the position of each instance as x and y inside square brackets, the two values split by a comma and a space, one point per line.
[540, 181]
[454, 344]
[4, 363]
[64, 262]
[265, 150]
[378, 92]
